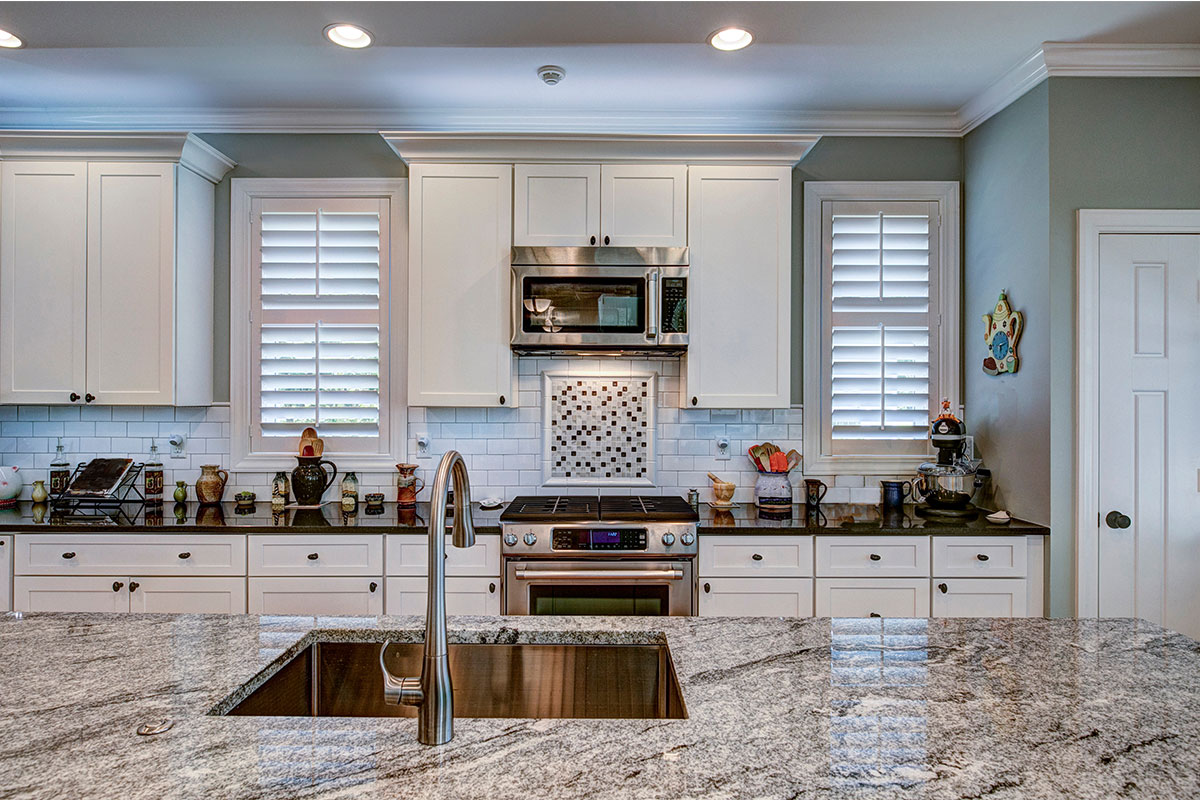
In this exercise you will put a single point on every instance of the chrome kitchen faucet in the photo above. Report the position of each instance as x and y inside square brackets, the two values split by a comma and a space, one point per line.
[432, 693]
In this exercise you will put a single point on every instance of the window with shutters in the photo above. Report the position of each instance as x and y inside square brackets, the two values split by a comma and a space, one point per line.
[323, 343]
[881, 269]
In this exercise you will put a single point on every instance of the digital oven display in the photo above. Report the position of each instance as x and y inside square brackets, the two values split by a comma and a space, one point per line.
[604, 537]
[599, 539]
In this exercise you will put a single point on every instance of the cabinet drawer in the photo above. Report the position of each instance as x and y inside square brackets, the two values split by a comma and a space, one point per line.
[353, 597]
[131, 554]
[316, 555]
[83, 593]
[756, 597]
[471, 596]
[188, 596]
[756, 556]
[873, 556]
[864, 597]
[6, 546]
[408, 554]
[980, 597]
[979, 557]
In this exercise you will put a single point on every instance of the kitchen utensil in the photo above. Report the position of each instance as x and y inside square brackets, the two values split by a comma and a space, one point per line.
[793, 459]
[722, 491]
[754, 460]
[778, 462]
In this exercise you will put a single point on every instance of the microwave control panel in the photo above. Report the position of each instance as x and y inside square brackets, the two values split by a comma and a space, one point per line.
[674, 305]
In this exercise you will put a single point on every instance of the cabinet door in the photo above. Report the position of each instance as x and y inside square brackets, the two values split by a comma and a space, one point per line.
[123, 554]
[739, 283]
[756, 597]
[43, 282]
[131, 283]
[756, 556]
[355, 597]
[316, 555]
[979, 597]
[187, 595]
[643, 205]
[873, 556]
[83, 594]
[556, 205]
[6, 546]
[872, 597]
[979, 556]
[408, 554]
[459, 279]
[464, 596]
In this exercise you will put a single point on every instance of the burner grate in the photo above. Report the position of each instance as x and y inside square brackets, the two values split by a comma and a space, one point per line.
[640, 507]
[552, 508]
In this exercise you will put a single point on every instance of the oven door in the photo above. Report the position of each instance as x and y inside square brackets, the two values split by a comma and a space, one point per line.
[590, 307]
[599, 587]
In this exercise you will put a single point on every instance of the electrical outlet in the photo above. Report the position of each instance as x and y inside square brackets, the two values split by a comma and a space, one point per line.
[723, 452]
[423, 446]
[177, 443]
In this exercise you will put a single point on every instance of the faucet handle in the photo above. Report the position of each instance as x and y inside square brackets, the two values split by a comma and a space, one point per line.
[399, 691]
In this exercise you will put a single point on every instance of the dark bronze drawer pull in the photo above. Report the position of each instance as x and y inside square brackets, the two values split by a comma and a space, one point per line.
[374, 586]
[69, 555]
[873, 614]
[943, 588]
[313, 556]
[757, 557]
[185, 555]
[876, 557]
[133, 586]
[491, 588]
[117, 586]
[707, 588]
[982, 557]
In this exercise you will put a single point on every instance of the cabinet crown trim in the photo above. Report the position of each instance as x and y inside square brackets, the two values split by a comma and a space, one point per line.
[181, 148]
[531, 148]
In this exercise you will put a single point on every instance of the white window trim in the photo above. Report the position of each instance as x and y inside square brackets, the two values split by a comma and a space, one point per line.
[945, 194]
[243, 191]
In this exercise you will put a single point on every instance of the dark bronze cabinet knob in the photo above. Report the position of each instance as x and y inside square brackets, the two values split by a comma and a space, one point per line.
[69, 554]
[313, 556]
[707, 588]
[982, 556]
[695, 400]
[74, 397]
[593, 240]
[876, 557]
[374, 586]
[873, 614]
[491, 588]
[117, 586]
[501, 399]
[606, 240]
[133, 586]
[185, 555]
[1117, 520]
[943, 588]
[757, 557]
[89, 397]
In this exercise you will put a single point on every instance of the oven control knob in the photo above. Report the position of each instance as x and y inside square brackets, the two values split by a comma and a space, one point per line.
[530, 539]
[687, 538]
[510, 539]
[668, 539]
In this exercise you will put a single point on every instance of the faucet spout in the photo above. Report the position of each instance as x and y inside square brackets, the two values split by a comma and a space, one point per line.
[432, 693]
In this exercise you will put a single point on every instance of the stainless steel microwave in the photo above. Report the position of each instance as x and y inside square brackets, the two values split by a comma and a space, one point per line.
[600, 300]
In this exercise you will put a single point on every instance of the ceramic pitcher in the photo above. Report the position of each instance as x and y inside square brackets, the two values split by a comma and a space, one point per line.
[408, 486]
[310, 479]
[211, 484]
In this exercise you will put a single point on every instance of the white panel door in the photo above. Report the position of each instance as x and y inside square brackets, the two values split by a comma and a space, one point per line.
[353, 597]
[464, 596]
[755, 556]
[459, 278]
[43, 282]
[872, 597]
[84, 594]
[187, 595]
[408, 554]
[979, 597]
[556, 205]
[739, 284]
[643, 205]
[1149, 349]
[756, 597]
[131, 283]
[6, 546]
[315, 554]
[872, 556]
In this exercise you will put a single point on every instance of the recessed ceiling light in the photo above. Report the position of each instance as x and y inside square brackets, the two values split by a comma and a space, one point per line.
[10, 40]
[731, 38]
[347, 35]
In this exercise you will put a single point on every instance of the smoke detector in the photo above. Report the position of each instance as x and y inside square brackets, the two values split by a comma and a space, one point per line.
[551, 74]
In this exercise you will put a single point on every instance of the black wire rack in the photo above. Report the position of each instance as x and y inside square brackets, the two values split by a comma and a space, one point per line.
[127, 491]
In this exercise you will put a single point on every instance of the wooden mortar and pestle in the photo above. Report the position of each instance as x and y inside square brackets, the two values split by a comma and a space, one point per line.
[722, 491]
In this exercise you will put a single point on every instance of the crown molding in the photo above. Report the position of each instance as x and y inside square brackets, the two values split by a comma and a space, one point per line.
[56, 145]
[417, 146]
[1007, 89]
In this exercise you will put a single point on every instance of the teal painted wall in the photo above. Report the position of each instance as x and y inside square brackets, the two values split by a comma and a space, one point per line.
[1114, 143]
[271, 155]
[1006, 202]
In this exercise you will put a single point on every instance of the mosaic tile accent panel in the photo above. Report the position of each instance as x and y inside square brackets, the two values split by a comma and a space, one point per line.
[599, 429]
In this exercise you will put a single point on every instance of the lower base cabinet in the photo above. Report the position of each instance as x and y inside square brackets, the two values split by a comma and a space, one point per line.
[83, 594]
[979, 597]
[123, 594]
[756, 597]
[188, 596]
[464, 596]
[6, 550]
[872, 597]
[354, 597]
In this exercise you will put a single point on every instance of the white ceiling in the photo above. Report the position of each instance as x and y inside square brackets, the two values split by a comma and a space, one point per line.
[627, 63]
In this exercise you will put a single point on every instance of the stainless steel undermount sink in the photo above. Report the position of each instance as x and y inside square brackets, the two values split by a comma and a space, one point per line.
[541, 681]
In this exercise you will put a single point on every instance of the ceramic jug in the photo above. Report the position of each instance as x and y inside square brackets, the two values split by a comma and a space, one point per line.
[10, 486]
[408, 486]
[894, 493]
[211, 484]
[310, 479]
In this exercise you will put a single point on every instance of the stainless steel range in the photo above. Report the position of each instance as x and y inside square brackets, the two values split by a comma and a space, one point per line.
[599, 555]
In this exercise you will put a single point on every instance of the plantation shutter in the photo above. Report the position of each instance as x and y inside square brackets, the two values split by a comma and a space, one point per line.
[881, 337]
[320, 322]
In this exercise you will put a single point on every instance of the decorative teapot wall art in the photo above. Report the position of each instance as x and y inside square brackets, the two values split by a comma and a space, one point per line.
[1002, 329]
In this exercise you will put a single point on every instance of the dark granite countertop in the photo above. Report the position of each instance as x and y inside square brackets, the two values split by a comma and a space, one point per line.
[742, 519]
[843, 709]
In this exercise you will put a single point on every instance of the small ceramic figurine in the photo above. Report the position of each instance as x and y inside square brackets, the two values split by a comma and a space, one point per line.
[39, 495]
[180, 492]
[1002, 329]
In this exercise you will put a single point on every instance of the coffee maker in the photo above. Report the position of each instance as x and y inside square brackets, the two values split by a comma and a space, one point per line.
[945, 487]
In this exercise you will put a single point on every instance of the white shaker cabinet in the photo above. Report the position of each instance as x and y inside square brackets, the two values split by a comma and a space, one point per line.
[756, 597]
[979, 597]
[460, 276]
[357, 597]
[106, 269]
[85, 594]
[6, 546]
[187, 595]
[556, 205]
[739, 286]
[470, 596]
[643, 205]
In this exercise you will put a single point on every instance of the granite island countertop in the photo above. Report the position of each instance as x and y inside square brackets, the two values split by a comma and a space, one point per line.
[741, 519]
[778, 708]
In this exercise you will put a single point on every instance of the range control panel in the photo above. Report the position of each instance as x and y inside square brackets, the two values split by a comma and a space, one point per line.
[599, 539]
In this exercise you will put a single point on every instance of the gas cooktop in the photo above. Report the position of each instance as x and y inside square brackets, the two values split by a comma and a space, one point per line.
[635, 508]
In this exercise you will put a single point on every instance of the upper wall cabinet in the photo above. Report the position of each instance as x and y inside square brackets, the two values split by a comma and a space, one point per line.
[740, 286]
[583, 205]
[106, 270]
[459, 280]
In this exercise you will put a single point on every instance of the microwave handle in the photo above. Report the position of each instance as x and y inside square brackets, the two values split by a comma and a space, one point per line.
[652, 304]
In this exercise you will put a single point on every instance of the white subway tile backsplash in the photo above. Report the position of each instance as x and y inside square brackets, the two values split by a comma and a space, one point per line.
[62, 413]
[47, 429]
[95, 413]
[33, 413]
[127, 414]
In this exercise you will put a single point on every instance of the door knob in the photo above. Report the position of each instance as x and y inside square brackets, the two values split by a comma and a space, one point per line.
[1116, 519]
[943, 588]
[491, 588]
[707, 588]
[374, 586]
[593, 240]
[89, 397]
[873, 614]
[133, 586]
[606, 240]
[117, 586]
[74, 397]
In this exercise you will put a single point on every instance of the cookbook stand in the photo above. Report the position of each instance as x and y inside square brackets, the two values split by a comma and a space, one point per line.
[99, 506]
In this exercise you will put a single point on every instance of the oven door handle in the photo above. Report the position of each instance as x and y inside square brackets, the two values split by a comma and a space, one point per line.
[523, 573]
[652, 304]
